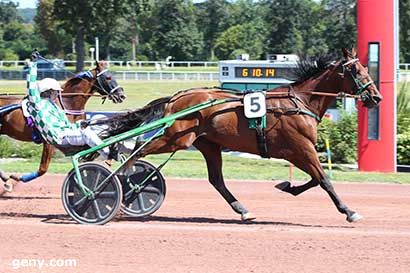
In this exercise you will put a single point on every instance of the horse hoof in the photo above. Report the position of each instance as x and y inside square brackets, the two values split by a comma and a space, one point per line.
[354, 217]
[4, 177]
[284, 186]
[8, 186]
[247, 217]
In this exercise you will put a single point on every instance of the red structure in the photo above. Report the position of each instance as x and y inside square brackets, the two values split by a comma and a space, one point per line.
[376, 25]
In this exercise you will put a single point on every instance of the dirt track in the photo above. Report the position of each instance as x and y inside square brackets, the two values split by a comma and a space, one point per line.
[196, 231]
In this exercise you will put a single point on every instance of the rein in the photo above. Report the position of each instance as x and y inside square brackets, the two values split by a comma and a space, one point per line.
[324, 94]
[70, 111]
[291, 94]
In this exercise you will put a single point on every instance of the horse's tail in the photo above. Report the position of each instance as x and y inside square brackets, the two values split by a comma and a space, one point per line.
[130, 120]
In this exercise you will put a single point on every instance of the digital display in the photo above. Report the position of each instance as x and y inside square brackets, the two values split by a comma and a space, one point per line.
[261, 72]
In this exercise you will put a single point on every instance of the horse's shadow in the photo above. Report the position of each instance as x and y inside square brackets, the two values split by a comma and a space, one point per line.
[62, 219]
[6, 197]
[208, 220]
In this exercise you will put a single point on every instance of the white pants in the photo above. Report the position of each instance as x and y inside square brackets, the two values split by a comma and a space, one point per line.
[85, 136]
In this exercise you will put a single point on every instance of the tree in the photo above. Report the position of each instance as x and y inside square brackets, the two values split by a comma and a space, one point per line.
[237, 40]
[57, 40]
[284, 26]
[8, 13]
[245, 11]
[212, 20]
[105, 22]
[17, 39]
[135, 9]
[175, 32]
[312, 27]
[76, 18]
[404, 36]
[340, 19]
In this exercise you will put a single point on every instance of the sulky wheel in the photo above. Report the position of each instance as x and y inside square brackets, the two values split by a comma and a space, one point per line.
[104, 202]
[142, 198]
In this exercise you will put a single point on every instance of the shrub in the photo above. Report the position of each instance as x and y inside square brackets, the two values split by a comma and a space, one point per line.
[342, 137]
[17, 149]
[403, 125]
[403, 148]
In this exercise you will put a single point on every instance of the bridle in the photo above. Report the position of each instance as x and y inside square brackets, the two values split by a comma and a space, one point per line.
[361, 86]
[100, 86]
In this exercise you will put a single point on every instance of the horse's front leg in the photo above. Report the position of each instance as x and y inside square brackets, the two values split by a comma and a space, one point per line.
[310, 164]
[47, 153]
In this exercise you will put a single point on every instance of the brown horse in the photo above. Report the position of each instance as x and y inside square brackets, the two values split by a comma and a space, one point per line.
[293, 114]
[76, 92]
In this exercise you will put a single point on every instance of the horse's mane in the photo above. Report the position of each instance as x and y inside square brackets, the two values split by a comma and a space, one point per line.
[76, 80]
[132, 119]
[309, 67]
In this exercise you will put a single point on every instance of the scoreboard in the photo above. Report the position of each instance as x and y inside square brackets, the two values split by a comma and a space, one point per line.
[255, 75]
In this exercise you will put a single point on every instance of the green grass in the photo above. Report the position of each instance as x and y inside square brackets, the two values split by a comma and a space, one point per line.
[190, 164]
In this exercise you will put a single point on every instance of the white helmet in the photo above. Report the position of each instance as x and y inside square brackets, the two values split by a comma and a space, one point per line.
[48, 84]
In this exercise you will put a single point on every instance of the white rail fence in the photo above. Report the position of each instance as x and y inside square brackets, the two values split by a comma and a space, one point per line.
[120, 75]
[126, 64]
[131, 64]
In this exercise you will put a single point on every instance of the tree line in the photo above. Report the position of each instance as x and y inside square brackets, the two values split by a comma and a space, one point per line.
[184, 29]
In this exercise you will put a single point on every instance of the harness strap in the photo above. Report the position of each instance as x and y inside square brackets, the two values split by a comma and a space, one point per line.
[261, 140]
[9, 108]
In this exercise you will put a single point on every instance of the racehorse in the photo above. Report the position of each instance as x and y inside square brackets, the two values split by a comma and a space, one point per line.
[293, 114]
[76, 92]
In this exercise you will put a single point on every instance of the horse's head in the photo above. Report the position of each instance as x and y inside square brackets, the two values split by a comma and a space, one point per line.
[106, 85]
[356, 80]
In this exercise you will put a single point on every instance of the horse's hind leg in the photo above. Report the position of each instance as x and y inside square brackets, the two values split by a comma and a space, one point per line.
[213, 157]
[46, 155]
[311, 165]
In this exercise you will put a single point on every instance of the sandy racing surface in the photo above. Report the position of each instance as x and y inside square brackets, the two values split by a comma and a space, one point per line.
[196, 231]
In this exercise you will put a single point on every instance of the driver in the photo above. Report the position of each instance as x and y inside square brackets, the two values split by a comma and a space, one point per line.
[53, 124]
[51, 121]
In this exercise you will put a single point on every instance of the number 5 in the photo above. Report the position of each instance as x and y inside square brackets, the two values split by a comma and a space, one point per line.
[254, 105]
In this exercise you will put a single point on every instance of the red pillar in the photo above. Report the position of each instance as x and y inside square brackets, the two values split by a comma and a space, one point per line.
[376, 23]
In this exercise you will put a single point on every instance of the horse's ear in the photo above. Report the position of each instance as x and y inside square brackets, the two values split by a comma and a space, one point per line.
[346, 53]
[354, 52]
[97, 65]
[101, 65]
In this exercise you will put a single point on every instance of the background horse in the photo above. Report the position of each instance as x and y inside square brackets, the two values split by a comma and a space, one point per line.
[76, 92]
[293, 114]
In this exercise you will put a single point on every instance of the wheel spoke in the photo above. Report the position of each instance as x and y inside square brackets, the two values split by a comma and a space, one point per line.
[75, 205]
[97, 179]
[97, 210]
[107, 194]
[141, 202]
[151, 189]
[83, 209]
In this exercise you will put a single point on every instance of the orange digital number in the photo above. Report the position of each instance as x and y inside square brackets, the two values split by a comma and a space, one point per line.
[270, 72]
[257, 72]
[245, 72]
